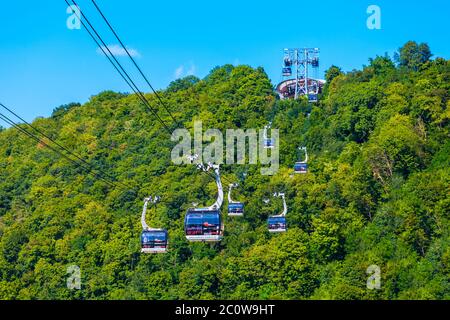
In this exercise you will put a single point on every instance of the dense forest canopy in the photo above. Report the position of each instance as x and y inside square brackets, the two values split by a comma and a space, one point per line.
[377, 192]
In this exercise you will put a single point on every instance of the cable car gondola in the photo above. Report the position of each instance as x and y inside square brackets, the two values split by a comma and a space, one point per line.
[235, 208]
[287, 58]
[152, 240]
[312, 97]
[315, 62]
[302, 166]
[287, 72]
[278, 223]
[205, 224]
[269, 143]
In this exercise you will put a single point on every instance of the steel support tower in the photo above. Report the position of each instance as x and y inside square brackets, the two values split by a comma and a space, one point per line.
[301, 59]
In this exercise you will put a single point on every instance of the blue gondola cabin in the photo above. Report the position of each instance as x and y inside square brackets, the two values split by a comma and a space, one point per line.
[269, 143]
[300, 167]
[287, 72]
[203, 225]
[277, 224]
[154, 241]
[313, 98]
[236, 209]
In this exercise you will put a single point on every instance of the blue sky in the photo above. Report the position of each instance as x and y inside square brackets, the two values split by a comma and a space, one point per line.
[43, 64]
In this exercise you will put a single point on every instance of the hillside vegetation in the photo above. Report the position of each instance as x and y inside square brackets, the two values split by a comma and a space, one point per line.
[377, 192]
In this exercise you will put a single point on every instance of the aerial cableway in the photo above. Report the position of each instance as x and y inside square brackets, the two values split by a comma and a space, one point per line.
[209, 218]
[206, 224]
[278, 223]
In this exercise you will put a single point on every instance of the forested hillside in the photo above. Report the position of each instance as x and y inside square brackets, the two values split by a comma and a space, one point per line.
[377, 192]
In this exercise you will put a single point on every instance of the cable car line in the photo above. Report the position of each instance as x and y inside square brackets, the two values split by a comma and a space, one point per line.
[134, 62]
[130, 81]
[64, 148]
[39, 140]
[139, 69]
[130, 56]
[152, 240]
[277, 223]
[104, 44]
[134, 87]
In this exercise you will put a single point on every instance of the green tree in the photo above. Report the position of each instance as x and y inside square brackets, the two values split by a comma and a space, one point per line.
[412, 55]
[332, 73]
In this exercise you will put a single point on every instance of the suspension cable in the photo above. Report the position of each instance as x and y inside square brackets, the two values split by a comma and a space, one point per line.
[63, 148]
[124, 74]
[134, 62]
[39, 140]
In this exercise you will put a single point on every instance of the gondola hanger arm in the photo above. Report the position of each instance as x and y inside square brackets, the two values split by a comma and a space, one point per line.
[148, 200]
